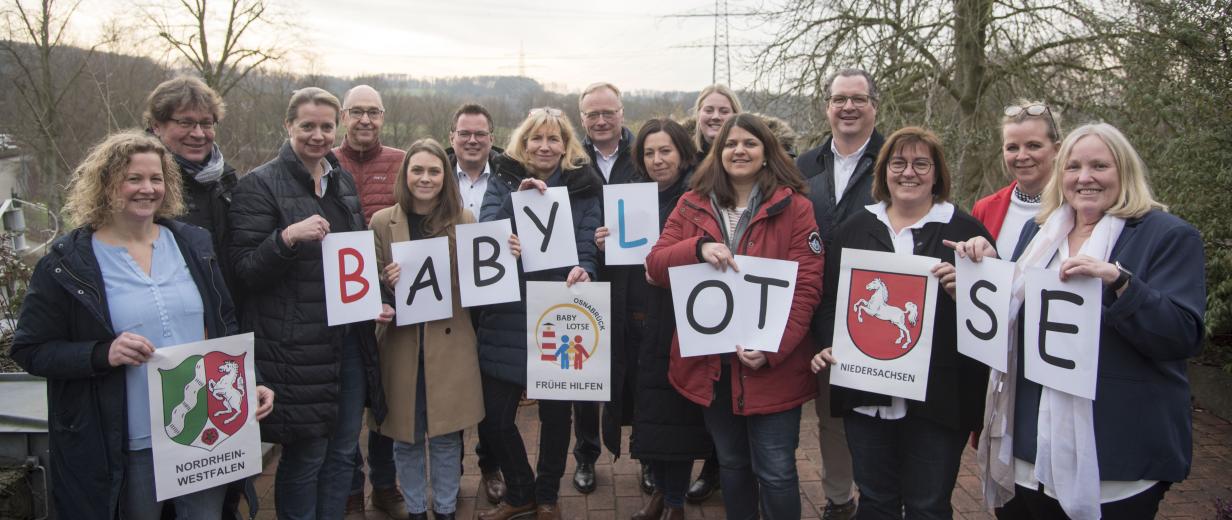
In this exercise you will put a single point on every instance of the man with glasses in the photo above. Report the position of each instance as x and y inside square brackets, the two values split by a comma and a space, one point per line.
[471, 153]
[375, 169]
[840, 178]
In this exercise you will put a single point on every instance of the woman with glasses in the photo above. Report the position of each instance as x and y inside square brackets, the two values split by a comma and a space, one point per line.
[746, 200]
[543, 152]
[905, 454]
[1030, 138]
[714, 106]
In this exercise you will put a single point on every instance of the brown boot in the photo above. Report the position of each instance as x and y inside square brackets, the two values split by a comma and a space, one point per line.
[504, 511]
[493, 486]
[673, 513]
[653, 509]
[390, 501]
[547, 512]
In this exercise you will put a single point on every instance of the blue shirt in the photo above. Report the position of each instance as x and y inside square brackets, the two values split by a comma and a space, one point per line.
[163, 307]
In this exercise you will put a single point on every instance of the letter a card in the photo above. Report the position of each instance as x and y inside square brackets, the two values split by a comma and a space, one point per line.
[352, 290]
[983, 309]
[203, 422]
[631, 214]
[424, 291]
[545, 227]
[883, 323]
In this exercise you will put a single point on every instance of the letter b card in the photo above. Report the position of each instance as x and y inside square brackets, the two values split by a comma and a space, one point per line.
[352, 292]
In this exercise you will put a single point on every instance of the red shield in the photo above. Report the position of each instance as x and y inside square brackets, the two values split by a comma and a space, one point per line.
[226, 391]
[885, 312]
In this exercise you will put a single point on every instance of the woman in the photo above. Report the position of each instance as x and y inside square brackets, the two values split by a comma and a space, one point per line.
[1030, 138]
[1099, 219]
[431, 370]
[669, 433]
[279, 214]
[714, 106]
[905, 454]
[543, 152]
[125, 282]
[746, 200]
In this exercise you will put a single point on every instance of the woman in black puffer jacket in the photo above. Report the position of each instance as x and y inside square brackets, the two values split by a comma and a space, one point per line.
[543, 152]
[322, 374]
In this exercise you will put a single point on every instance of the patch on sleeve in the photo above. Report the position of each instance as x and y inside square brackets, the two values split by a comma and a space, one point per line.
[814, 242]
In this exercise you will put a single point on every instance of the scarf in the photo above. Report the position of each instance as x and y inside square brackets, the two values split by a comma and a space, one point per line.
[1066, 461]
[203, 173]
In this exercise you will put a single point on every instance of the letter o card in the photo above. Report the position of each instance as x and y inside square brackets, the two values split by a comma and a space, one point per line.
[352, 289]
[883, 323]
[424, 291]
[203, 421]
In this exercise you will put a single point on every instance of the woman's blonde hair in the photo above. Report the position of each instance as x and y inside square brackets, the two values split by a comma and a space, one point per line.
[1135, 199]
[575, 156]
[92, 192]
[699, 139]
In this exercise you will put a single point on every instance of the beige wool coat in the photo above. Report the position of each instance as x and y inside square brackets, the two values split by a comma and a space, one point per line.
[455, 397]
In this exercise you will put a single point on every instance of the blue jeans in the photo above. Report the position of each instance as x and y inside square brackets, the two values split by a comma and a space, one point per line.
[314, 475]
[138, 499]
[757, 457]
[907, 464]
[380, 464]
[445, 452]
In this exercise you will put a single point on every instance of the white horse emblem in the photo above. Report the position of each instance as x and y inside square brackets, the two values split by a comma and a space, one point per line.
[877, 307]
[230, 390]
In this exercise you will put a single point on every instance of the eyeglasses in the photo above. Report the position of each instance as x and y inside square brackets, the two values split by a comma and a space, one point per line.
[359, 113]
[1035, 110]
[921, 166]
[606, 115]
[467, 135]
[856, 101]
[554, 112]
[189, 124]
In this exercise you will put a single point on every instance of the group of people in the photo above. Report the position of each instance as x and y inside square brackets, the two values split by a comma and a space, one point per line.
[172, 247]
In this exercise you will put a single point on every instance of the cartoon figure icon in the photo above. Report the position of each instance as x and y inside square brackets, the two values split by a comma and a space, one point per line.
[580, 353]
[229, 388]
[563, 352]
[877, 307]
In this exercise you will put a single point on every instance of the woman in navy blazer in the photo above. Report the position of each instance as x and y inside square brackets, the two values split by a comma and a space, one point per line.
[1153, 304]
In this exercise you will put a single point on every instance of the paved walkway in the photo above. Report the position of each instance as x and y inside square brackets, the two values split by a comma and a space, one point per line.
[618, 496]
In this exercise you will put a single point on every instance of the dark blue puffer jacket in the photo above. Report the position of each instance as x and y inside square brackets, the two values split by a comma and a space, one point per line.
[502, 327]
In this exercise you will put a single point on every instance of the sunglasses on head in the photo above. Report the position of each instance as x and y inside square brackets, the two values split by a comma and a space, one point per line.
[1036, 109]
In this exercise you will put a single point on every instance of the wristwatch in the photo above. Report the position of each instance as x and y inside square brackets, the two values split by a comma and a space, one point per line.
[1121, 279]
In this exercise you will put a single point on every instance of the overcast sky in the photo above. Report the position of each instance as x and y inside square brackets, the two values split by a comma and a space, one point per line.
[567, 44]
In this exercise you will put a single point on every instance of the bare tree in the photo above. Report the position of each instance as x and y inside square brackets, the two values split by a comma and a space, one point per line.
[45, 71]
[191, 31]
[947, 64]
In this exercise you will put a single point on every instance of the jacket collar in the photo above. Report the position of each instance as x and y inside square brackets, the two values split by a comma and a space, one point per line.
[626, 141]
[300, 174]
[354, 154]
[870, 150]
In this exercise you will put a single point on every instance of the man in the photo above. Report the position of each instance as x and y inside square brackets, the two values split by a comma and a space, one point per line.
[840, 178]
[183, 113]
[610, 146]
[471, 154]
[375, 169]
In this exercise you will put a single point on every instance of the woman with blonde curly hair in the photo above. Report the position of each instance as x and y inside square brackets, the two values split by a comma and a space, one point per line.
[127, 281]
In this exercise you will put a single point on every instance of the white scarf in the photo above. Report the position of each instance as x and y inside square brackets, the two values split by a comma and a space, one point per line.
[1066, 461]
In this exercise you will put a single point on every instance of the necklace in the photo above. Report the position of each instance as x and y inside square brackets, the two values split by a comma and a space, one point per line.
[1029, 199]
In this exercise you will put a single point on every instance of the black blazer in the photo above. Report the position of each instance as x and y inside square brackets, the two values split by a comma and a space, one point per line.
[1143, 426]
[956, 383]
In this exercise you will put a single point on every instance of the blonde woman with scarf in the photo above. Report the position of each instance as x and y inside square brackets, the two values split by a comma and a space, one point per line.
[1047, 454]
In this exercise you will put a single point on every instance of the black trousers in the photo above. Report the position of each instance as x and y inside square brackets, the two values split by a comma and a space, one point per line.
[1032, 504]
[503, 441]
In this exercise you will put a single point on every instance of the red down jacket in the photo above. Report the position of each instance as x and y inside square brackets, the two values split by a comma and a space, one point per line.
[783, 229]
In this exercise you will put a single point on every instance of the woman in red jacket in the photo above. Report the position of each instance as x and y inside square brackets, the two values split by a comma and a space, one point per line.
[746, 199]
[1030, 138]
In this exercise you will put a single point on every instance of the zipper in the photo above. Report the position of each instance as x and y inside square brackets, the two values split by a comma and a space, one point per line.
[217, 294]
[740, 400]
[97, 297]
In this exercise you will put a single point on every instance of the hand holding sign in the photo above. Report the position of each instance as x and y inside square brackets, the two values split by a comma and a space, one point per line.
[312, 229]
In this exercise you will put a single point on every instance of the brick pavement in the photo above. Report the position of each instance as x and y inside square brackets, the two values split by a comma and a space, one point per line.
[618, 497]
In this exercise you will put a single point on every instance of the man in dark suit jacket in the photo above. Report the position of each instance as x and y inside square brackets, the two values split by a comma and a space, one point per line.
[840, 179]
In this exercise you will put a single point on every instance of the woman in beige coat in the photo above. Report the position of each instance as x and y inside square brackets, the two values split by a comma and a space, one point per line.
[430, 370]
